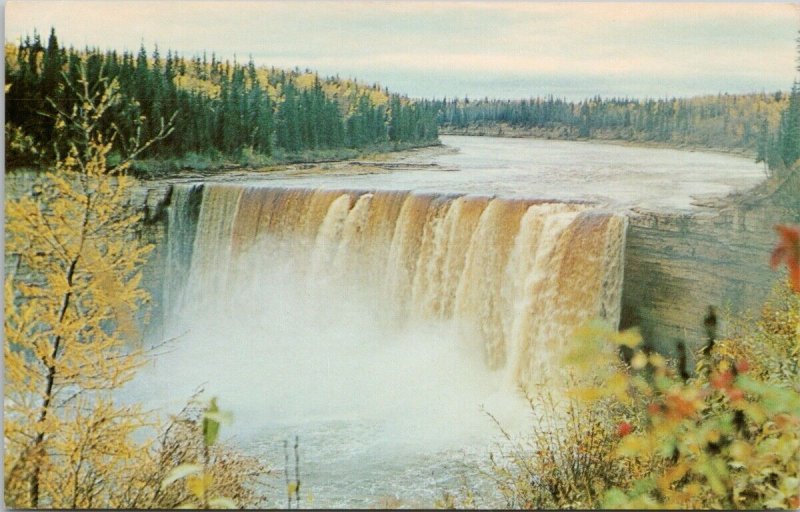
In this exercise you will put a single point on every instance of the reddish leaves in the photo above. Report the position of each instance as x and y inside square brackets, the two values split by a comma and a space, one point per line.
[742, 365]
[678, 407]
[722, 380]
[725, 381]
[788, 251]
[674, 407]
[624, 428]
[735, 394]
[655, 409]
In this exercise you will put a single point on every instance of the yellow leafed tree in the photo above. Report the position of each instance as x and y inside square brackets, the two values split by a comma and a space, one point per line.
[71, 300]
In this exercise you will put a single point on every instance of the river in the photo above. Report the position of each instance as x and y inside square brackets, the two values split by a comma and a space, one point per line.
[379, 316]
[608, 174]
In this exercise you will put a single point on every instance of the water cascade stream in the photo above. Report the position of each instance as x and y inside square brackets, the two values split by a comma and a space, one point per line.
[375, 324]
[512, 276]
[379, 316]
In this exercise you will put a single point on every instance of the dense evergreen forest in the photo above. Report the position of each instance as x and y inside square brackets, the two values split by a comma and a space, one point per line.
[216, 108]
[767, 125]
[222, 109]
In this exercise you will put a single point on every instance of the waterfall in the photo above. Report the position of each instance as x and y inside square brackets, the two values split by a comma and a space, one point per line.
[512, 277]
[182, 219]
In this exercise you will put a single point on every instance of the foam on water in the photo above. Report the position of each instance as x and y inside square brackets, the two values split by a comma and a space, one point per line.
[377, 325]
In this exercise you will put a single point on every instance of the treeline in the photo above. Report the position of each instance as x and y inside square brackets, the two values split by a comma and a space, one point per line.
[781, 150]
[219, 108]
[726, 121]
[233, 110]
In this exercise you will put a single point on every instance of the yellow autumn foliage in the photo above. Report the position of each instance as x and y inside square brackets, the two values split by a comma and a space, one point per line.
[70, 324]
[195, 84]
[73, 306]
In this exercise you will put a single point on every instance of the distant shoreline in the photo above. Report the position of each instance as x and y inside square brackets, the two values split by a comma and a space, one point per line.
[511, 132]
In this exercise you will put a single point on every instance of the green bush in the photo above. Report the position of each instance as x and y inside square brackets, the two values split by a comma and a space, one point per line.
[646, 435]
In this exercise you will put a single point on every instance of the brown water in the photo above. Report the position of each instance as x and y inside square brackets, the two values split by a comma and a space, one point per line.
[374, 315]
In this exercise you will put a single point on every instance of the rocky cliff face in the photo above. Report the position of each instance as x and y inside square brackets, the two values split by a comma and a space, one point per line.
[152, 200]
[676, 265]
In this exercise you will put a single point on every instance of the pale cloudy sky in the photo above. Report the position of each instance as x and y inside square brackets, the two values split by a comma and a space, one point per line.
[435, 49]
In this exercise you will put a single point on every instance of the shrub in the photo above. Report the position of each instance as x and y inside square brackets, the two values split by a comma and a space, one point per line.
[187, 467]
[647, 435]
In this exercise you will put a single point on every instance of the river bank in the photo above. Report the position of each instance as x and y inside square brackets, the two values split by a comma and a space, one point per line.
[208, 165]
[598, 137]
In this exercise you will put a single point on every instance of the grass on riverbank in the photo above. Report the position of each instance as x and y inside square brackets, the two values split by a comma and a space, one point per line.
[216, 162]
[248, 159]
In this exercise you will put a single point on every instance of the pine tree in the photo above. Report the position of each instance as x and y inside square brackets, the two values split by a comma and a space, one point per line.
[762, 152]
[789, 134]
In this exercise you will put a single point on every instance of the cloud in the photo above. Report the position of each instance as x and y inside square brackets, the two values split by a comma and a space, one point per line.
[723, 46]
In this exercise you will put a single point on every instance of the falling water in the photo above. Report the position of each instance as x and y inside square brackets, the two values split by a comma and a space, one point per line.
[512, 276]
[182, 225]
[379, 323]
[375, 323]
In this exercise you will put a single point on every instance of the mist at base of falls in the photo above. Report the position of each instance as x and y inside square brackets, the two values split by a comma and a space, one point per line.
[382, 408]
[277, 348]
[382, 327]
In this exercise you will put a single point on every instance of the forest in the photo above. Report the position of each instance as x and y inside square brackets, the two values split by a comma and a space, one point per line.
[214, 107]
[760, 124]
[258, 115]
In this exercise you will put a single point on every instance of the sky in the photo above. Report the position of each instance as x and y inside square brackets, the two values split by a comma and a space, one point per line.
[448, 49]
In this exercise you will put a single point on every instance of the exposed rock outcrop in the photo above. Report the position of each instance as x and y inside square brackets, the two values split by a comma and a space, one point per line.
[678, 264]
